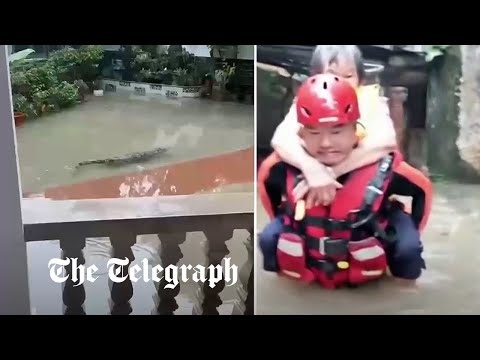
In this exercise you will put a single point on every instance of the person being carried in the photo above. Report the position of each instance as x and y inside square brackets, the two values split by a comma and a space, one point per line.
[355, 237]
[377, 132]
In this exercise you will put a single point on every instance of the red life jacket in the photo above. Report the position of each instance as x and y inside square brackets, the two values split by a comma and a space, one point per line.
[319, 247]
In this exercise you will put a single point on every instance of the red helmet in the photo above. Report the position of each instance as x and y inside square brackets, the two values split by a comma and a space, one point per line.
[324, 99]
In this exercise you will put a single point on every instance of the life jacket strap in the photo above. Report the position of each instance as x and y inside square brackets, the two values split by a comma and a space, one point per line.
[327, 223]
[374, 188]
[359, 218]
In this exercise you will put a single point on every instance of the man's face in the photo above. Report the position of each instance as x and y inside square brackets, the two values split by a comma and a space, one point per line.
[346, 70]
[330, 144]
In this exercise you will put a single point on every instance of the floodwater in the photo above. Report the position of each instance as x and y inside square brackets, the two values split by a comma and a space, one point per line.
[449, 285]
[50, 147]
[114, 125]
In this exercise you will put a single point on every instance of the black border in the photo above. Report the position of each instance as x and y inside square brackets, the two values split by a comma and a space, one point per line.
[342, 337]
[258, 23]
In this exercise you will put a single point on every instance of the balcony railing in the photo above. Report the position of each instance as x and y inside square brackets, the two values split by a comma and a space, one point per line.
[170, 217]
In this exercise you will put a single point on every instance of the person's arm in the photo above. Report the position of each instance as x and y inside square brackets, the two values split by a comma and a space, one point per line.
[288, 145]
[379, 141]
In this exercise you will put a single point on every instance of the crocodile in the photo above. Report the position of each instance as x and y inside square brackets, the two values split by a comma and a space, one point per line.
[126, 159]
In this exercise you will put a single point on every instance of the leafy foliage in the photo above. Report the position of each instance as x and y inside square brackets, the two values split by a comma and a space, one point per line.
[175, 67]
[52, 84]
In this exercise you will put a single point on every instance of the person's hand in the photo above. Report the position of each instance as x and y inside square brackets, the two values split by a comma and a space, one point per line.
[322, 193]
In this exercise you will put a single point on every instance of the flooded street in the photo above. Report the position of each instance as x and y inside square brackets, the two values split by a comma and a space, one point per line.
[214, 133]
[448, 286]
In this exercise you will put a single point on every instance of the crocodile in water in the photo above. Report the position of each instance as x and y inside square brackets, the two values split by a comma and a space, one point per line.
[126, 159]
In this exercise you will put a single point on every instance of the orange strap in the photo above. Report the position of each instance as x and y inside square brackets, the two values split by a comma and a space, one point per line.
[409, 172]
[423, 182]
[262, 176]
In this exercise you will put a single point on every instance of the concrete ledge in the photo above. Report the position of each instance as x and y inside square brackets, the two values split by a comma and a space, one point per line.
[144, 89]
[46, 219]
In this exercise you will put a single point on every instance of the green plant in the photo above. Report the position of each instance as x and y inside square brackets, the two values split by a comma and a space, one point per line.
[21, 104]
[176, 66]
[34, 79]
[180, 77]
[222, 76]
[75, 64]
[52, 84]
[41, 101]
[64, 95]
[151, 69]
[41, 77]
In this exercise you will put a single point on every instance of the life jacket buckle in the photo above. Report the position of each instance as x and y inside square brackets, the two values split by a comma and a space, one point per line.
[336, 247]
[328, 246]
[326, 266]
